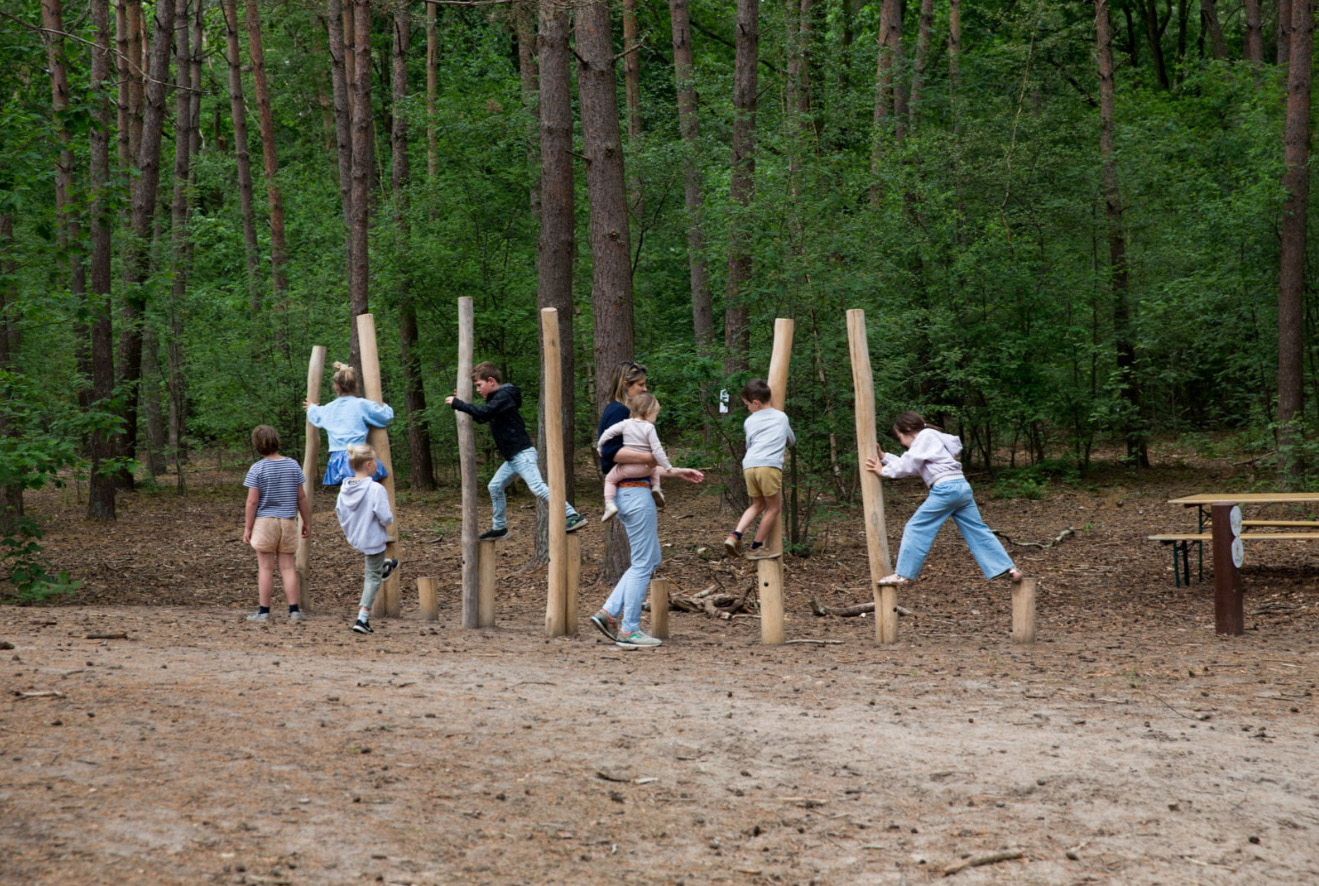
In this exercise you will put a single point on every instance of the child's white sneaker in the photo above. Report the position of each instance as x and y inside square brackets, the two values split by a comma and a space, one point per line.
[656, 494]
[610, 510]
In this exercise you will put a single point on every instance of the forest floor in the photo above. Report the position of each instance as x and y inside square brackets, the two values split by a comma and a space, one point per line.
[1129, 745]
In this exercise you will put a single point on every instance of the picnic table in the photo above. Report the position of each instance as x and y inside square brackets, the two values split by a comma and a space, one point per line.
[1279, 530]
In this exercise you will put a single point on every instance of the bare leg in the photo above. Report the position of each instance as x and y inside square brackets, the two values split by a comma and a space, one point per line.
[288, 573]
[750, 514]
[265, 576]
[773, 505]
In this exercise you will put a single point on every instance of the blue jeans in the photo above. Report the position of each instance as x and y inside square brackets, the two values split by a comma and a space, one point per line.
[951, 498]
[521, 465]
[636, 511]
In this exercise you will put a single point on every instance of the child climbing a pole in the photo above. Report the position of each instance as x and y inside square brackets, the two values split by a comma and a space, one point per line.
[768, 436]
[365, 517]
[639, 435]
[932, 455]
[346, 420]
[500, 411]
[275, 498]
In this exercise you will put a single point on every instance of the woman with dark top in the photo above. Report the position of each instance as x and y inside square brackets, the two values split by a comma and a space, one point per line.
[620, 617]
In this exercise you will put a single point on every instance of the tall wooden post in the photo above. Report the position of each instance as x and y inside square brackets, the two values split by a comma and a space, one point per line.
[556, 604]
[769, 573]
[485, 605]
[1229, 613]
[388, 601]
[467, 468]
[310, 459]
[872, 491]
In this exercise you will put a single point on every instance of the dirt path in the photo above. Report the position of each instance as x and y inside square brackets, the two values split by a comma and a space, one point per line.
[1129, 746]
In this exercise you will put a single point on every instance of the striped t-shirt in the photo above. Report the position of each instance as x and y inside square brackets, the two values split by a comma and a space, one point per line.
[278, 480]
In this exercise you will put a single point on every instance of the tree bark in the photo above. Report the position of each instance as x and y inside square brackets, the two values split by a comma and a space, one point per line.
[1149, 11]
[632, 91]
[1119, 279]
[143, 215]
[1291, 277]
[342, 120]
[525, 27]
[693, 197]
[238, 111]
[70, 265]
[1209, 14]
[186, 120]
[737, 315]
[422, 476]
[1283, 32]
[11, 496]
[1253, 50]
[432, 88]
[275, 200]
[954, 54]
[889, 106]
[360, 182]
[101, 495]
[924, 30]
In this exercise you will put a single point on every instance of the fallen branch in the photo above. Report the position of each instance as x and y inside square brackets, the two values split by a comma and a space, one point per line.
[119, 635]
[820, 609]
[817, 642]
[1057, 539]
[43, 693]
[976, 861]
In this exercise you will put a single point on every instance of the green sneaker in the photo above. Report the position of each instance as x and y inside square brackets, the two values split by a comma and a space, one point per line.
[637, 640]
[575, 522]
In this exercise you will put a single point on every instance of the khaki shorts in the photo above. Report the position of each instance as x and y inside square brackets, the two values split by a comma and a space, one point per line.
[275, 535]
[763, 482]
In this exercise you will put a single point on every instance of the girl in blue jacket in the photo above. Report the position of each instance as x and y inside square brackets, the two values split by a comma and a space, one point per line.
[346, 420]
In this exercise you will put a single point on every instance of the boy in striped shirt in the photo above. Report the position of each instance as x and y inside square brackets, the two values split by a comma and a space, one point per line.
[275, 498]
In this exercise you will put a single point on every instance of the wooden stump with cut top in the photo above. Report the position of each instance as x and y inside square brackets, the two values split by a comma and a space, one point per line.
[389, 601]
[769, 573]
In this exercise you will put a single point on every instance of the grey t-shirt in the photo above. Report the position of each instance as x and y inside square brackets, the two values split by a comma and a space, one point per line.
[768, 435]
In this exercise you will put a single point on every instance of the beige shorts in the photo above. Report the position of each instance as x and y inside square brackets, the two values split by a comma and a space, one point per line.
[763, 482]
[275, 535]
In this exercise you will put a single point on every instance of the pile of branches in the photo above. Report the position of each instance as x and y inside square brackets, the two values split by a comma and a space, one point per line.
[717, 603]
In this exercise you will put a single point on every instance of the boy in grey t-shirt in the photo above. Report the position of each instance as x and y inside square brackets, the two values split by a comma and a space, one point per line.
[768, 435]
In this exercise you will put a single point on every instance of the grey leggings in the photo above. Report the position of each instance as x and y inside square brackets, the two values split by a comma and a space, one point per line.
[375, 564]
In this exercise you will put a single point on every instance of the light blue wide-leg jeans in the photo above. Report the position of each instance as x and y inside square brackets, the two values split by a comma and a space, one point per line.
[951, 498]
[522, 465]
[636, 511]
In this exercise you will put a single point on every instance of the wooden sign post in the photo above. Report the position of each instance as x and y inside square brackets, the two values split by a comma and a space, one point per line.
[470, 550]
[310, 460]
[388, 602]
[872, 491]
[556, 604]
[769, 573]
[1229, 611]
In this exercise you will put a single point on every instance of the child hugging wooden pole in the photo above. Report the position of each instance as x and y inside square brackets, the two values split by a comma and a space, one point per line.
[769, 573]
[471, 550]
[556, 604]
[872, 492]
[311, 454]
[388, 602]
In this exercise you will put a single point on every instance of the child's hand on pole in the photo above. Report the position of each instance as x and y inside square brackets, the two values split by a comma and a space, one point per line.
[875, 463]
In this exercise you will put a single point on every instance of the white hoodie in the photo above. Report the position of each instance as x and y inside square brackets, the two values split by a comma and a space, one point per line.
[932, 456]
[363, 510]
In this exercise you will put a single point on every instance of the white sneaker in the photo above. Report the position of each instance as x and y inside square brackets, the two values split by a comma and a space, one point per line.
[610, 510]
[259, 616]
[656, 494]
[297, 616]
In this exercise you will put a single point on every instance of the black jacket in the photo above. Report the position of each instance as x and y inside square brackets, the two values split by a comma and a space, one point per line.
[506, 425]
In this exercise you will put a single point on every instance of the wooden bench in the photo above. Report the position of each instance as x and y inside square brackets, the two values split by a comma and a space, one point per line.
[1182, 541]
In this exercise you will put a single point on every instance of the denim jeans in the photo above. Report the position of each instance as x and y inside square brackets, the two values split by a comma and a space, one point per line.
[521, 465]
[375, 565]
[636, 511]
[951, 498]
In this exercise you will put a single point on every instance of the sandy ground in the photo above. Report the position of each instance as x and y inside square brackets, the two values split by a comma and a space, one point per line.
[1129, 745]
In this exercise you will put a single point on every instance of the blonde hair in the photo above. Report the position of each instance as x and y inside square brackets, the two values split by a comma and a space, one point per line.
[642, 405]
[345, 379]
[625, 376]
[359, 454]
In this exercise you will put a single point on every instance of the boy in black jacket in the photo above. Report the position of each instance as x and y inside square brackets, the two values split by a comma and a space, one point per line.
[501, 412]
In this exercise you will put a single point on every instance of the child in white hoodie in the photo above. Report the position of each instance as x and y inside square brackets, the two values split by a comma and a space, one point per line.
[364, 514]
[932, 455]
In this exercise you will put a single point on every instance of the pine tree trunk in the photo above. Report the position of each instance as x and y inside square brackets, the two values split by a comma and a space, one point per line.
[693, 197]
[1254, 40]
[101, 497]
[11, 497]
[1149, 11]
[432, 88]
[737, 315]
[1209, 14]
[924, 29]
[1119, 280]
[954, 55]
[238, 111]
[360, 182]
[275, 200]
[890, 108]
[186, 118]
[422, 476]
[1283, 32]
[525, 26]
[611, 283]
[632, 92]
[1291, 277]
[136, 255]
